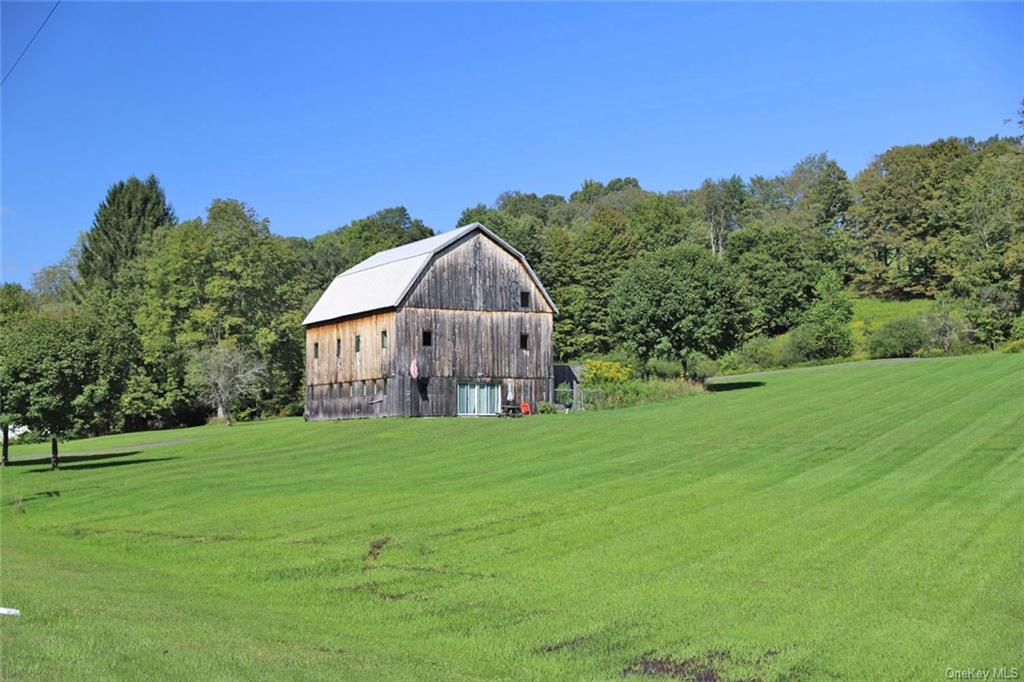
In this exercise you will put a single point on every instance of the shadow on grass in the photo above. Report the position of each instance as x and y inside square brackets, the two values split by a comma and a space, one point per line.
[721, 387]
[71, 458]
[102, 465]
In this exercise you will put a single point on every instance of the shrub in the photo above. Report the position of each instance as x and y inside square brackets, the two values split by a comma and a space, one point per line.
[664, 369]
[760, 352]
[899, 338]
[635, 392]
[1015, 346]
[946, 325]
[825, 332]
[970, 349]
[548, 408]
[990, 312]
[563, 395]
[700, 367]
[293, 409]
[605, 372]
[1017, 329]
[818, 341]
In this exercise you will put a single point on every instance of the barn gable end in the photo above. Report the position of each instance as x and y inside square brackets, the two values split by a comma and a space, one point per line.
[478, 273]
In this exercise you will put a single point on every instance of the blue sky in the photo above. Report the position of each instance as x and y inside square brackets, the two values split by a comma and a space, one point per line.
[316, 114]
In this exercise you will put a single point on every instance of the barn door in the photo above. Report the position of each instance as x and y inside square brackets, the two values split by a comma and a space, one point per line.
[475, 399]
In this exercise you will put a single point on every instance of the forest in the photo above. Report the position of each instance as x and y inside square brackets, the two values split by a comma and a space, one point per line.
[122, 333]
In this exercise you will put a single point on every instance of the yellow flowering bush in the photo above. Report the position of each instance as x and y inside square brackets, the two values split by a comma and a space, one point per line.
[606, 372]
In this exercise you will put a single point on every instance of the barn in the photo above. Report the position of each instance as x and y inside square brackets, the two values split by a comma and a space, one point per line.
[455, 324]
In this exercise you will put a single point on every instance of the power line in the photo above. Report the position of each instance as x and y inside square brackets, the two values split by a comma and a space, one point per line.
[32, 40]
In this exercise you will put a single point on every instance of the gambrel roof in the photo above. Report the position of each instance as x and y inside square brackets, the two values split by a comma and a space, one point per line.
[385, 279]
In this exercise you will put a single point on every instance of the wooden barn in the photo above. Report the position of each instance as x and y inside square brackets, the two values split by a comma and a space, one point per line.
[455, 324]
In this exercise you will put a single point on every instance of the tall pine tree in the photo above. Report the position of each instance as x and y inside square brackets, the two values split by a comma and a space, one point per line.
[132, 210]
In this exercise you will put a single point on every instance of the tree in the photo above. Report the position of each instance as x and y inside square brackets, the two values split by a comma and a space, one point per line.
[945, 324]
[46, 368]
[131, 212]
[338, 250]
[779, 271]
[520, 204]
[589, 191]
[990, 250]
[677, 302]
[723, 203]
[15, 306]
[825, 329]
[226, 280]
[909, 213]
[657, 221]
[603, 250]
[223, 376]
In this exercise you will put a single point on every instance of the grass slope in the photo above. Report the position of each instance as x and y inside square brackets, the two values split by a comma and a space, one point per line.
[856, 521]
[872, 313]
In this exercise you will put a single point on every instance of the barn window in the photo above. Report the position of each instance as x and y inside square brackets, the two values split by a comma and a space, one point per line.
[357, 343]
[337, 348]
[524, 342]
[352, 390]
[427, 339]
[383, 339]
[364, 388]
[385, 384]
[316, 350]
[524, 299]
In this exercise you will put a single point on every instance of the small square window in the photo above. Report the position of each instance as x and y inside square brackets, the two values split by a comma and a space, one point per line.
[337, 348]
[383, 339]
[524, 299]
[427, 337]
[524, 342]
[358, 344]
[316, 350]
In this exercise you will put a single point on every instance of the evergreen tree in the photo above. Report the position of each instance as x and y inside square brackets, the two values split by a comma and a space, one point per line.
[131, 212]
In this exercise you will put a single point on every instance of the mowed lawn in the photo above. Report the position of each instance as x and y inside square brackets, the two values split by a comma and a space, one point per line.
[860, 521]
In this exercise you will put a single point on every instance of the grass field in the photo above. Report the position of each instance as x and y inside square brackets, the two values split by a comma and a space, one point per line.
[874, 312]
[861, 521]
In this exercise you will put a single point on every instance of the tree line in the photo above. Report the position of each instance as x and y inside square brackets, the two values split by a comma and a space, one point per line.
[136, 326]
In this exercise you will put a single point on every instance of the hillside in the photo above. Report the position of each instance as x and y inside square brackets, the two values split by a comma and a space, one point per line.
[855, 521]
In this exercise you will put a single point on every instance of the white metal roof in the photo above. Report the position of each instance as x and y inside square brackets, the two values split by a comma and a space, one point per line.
[383, 280]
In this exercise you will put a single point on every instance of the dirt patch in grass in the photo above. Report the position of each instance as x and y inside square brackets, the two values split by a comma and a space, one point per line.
[82, 532]
[708, 667]
[329, 650]
[712, 666]
[696, 668]
[442, 570]
[565, 645]
[377, 590]
[484, 525]
[374, 552]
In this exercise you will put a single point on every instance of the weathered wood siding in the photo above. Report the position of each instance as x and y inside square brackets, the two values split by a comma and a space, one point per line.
[475, 273]
[350, 384]
[469, 299]
[472, 345]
